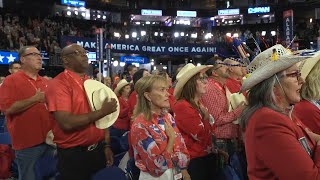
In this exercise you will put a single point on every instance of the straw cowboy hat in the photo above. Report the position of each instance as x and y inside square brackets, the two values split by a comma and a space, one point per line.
[186, 73]
[120, 85]
[308, 64]
[269, 62]
[97, 92]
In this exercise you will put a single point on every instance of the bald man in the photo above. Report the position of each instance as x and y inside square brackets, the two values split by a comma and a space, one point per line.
[82, 148]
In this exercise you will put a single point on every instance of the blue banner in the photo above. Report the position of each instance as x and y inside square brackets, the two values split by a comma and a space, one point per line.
[8, 57]
[134, 59]
[145, 48]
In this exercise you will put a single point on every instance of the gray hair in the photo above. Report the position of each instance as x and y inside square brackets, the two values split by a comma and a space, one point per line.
[22, 51]
[261, 95]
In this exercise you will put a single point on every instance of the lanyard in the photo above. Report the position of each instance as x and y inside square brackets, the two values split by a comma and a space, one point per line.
[34, 86]
[218, 86]
[67, 73]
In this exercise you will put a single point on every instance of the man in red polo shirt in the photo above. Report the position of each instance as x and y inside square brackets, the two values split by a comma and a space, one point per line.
[82, 148]
[28, 120]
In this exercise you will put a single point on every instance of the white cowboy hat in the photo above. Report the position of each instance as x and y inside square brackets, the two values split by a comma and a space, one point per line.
[263, 67]
[120, 85]
[187, 72]
[97, 92]
[308, 64]
[235, 100]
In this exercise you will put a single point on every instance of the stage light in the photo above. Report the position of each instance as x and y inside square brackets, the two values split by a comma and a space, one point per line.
[194, 35]
[134, 34]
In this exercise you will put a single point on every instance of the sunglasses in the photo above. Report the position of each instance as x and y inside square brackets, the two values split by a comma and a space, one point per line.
[203, 79]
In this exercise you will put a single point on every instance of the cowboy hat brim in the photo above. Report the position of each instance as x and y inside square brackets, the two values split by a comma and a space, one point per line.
[90, 87]
[308, 64]
[186, 77]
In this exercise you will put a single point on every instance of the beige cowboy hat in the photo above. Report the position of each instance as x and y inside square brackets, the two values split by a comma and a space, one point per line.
[235, 100]
[120, 85]
[263, 67]
[97, 92]
[186, 73]
[308, 64]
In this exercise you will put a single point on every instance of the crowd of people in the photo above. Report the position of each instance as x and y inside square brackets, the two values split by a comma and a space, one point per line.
[186, 129]
[45, 32]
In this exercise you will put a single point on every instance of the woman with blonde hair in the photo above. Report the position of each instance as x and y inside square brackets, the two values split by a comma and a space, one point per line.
[277, 144]
[308, 110]
[159, 149]
[192, 119]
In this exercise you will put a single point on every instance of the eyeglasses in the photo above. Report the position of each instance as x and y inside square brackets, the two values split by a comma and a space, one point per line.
[78, 53]
[296, 74]
[32, 54]
[203, 79]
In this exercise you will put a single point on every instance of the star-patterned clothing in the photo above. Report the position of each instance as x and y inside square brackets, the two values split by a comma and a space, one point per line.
[195, 130]
[149, 142]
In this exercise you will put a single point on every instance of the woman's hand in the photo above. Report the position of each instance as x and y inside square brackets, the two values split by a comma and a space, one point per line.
[169, 130]
[314, 136]
[204, 110]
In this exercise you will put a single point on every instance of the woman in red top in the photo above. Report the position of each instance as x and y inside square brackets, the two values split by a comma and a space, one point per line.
[192, 119]
[159, 149]
[308, 110]
[122, 124]
[277, 144]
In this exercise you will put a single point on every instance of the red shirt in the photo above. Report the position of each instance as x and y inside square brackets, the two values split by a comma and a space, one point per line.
[123, 121]
[30, 127]
[309, 114]
[216, 101]
[172, 100]
[149, 142]
[66, 93]
[274, 151]
[132, 101]
[195, 131]
[233, 85]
